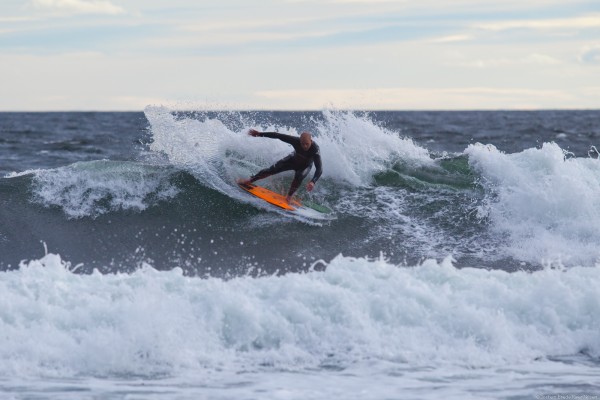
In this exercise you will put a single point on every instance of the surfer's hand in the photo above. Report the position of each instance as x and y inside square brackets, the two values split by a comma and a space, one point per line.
[310, 186]
[253, 132]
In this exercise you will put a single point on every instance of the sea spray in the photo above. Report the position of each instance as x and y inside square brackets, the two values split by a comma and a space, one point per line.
[353, 147]
[357, 149]
[547, 204]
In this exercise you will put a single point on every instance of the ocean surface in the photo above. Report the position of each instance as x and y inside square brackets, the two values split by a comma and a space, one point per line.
[461, 259]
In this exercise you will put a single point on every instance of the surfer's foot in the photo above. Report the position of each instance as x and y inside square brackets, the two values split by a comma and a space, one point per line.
[288, 199]
[244, 182]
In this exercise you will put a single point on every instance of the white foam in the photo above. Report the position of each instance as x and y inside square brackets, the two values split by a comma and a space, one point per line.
[215, 155]
[353, 148]
[16, 174]
[96, 187]
[356, 149]
[150, 323]
[545, 203]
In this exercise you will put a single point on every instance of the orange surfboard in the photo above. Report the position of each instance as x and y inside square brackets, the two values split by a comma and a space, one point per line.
[271, 197]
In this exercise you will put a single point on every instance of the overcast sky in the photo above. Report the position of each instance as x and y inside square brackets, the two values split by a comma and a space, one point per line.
[299, 54]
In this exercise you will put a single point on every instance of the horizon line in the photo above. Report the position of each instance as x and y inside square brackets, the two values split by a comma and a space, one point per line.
[310, 110]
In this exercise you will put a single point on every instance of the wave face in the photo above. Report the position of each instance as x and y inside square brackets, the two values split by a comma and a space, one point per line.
[172, 200]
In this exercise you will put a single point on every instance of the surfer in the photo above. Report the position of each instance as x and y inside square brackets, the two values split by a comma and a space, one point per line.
[306, 152]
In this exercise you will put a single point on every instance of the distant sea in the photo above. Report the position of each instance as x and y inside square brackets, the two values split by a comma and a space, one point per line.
[460, 259]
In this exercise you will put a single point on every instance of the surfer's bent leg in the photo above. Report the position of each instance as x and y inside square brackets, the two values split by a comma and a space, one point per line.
[282, 165]
[298, 178]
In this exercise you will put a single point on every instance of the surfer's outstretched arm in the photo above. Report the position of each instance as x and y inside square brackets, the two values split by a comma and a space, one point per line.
[275, 135]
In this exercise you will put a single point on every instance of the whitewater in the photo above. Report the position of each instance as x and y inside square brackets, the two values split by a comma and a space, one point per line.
[468, 333]
[460, 260]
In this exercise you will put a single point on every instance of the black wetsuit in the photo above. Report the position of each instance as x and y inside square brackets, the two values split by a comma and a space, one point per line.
[300, 161]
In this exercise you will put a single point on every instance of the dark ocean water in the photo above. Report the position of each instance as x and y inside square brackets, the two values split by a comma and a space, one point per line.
[460, 259]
